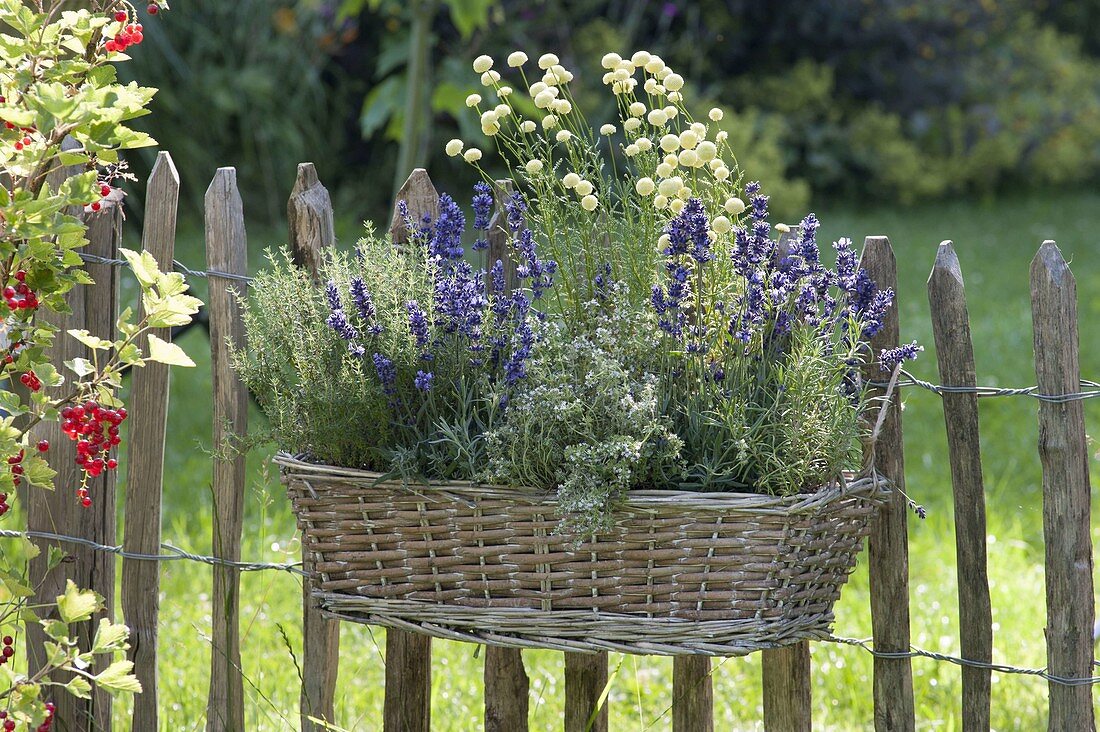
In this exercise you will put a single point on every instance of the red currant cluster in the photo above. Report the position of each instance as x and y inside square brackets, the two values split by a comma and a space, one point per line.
[130, 35]
[95, 431]
[47, 724]
[31, 380]
[20, 296]
[104, 191]
[8, 649]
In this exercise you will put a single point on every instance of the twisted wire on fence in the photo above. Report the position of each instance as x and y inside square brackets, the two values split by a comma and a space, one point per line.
[1089, 390]
[174, 553]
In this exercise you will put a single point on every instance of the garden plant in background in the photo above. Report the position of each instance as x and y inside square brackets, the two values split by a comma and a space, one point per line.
[64, 117]
[661, 336]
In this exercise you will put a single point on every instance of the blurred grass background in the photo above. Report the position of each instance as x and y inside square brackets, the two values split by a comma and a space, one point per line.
[971, 120]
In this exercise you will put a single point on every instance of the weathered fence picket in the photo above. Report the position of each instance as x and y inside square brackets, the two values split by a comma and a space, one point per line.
[888, 545]
[955, 354]
[226, 251]
[585, 680]
[1063, 450]
[692, 694]
[786, 673]
[408, 703]
[505, 678]
[145, 476]
[312, 232]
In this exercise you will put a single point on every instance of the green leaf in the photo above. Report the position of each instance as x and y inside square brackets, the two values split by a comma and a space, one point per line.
[80, 366]
[144, 266]
[56, 629]
[79, 687]
[54, 556]
[76, 604]
[94, 342]
[164, 352]
[38, 472]
[110, 637]
[117, 677]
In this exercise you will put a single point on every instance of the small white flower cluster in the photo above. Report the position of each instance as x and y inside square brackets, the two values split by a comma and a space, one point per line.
[675, 157]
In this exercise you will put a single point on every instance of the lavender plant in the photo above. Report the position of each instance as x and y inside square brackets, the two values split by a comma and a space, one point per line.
[402, 358]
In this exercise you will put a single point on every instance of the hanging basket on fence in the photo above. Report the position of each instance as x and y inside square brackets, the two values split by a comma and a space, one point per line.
[682, 572]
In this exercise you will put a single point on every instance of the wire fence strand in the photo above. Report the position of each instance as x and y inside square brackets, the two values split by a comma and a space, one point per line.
[915, 652]
[174, 553]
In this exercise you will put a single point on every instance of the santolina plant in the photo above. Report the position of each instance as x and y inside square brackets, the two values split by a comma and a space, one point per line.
[665, 333]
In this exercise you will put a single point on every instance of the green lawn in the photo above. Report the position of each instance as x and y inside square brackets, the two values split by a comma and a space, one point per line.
[995, 243]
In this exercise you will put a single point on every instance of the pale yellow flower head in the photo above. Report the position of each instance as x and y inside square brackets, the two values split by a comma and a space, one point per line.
[454, 147]
[482, 64]
[734, 206]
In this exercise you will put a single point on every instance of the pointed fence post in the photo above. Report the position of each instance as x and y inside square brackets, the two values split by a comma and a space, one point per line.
[408, 702]
[1063, 449]
[145, 471]
[309, 213]
[955, 354]
[785, 672]
[226, 251]
[888, 545]
[506, 683]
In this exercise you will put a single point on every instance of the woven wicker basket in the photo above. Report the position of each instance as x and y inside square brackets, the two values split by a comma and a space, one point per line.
[711, 573]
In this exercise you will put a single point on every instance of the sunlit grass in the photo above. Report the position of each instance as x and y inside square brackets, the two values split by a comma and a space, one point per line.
[995, 243]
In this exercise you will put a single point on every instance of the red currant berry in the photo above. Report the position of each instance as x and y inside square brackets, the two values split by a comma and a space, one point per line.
[9, 724]
[153, 8]
[85, 502]
[21, 275]
[18, 146]
[120, 16]
[43, 445]
[8, 640]
[96, 206]
[112, 464]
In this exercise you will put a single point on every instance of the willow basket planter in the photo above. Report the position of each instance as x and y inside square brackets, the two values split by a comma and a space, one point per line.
[682, 572]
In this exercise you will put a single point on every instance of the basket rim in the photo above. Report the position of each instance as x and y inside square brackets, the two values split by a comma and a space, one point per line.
[873, 487]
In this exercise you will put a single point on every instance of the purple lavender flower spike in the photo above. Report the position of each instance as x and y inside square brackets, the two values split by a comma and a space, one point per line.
[387, 374]
[423, 381]
[890, 359]
[483, 205]
[418, 326]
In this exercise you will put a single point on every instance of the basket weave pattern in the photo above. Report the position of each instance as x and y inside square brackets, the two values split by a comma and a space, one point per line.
[682, 572]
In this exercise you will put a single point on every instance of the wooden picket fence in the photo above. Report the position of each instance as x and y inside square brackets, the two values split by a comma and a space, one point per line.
[786, 671]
